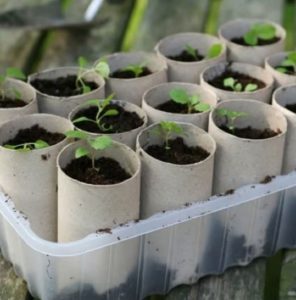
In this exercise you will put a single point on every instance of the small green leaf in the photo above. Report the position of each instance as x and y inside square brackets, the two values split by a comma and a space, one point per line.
[191, 51]
[251, 87]
[265, 31]
[81, 152]
[40, 144]
[292, 56]
[82, 119]
[229, 82]
[111, 112]
[11, 147]
[101, 142]
[91, 102]
[281, 69]
[195, 99]
[214, 51]
[103, 69]
[238, 87]
[250, 38]
[85, 89]
[17, 94]
[288, 63]
[76, 135]
[82, 62]
[202, 107]
[222, 112]
[179, 96]
[171, 127]
[15, 73]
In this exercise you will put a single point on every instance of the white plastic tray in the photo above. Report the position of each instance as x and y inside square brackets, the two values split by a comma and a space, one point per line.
[168, 249]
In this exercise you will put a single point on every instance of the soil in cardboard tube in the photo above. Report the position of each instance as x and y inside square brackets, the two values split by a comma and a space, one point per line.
[12, 103]
[174, 107]
[261, 42]
[61, 86]
[124, 121]
[34, 133]
[242, 78]
[108, 171]
[186, 57]
[178, 153]
[130, 74]
[251, 133]
[291, 107]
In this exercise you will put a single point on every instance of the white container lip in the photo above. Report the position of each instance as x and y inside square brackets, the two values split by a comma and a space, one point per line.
[161, 63]
[275, 97]
[212, 153]
[270, 61]
[170, 113]
[232, 136]
[72, 70]
[120, 103]
[117, 144]
[266, 77]
[198, 35]
[28, 102]
[42, 115]
[281, 33]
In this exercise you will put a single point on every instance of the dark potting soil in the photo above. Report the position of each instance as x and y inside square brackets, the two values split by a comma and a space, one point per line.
[122, 122]
[179, 153]
[267, 179]
[11, 103]
[34, 133]
[108, 171]
[289, 70]
[173, 107]
[61, 86]
[261, 42]
[186, 57]
[129, 74]
[291, 107]
[251, 133]
[242, 78]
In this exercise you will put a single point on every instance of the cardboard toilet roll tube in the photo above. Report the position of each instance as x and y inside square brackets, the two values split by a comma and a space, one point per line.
[263, 94]
[249, 54]
[128, 137]
[160, 94]
[30, 178]
[85, 208]
[132, 89]
[167, 186]
[281, 97]
[241, 161]
[274, 61]
[62, 106]
[27, 94]
[173, 45]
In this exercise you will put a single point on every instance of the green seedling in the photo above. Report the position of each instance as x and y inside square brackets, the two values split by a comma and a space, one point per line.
[101, 68]
[101, 114]
[236, 86]
[191, 51]
[95, 144]
[258, 31]
[289, 61]
[213, 51]
[136, 69]
[11, 73]
[230, 116]
[193, 103]
[39, 144]
[166, 129]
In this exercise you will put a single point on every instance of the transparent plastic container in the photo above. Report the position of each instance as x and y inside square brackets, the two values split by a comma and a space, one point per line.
[166, 250]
